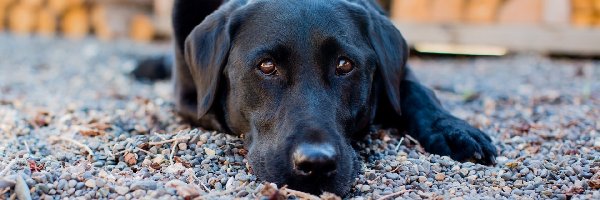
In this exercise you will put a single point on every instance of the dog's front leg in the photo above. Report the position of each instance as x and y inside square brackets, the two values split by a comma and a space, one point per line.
[437, 130]
[185, 90]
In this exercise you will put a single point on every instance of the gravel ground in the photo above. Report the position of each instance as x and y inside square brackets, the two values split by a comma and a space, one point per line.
[73, 124]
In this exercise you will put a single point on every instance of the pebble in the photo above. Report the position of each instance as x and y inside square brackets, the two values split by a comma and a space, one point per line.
[143, 185]
[182, 146]
[370, 176]
[507, 176]
[62, 184]
[440, 177]
[90, 183]
[103, 192]
[72, 183]
[139, 194]
[392, 176]
[100, 183]
[464, 172]
[44, 188]
[99, 164]
[241, 194]
[365, 188]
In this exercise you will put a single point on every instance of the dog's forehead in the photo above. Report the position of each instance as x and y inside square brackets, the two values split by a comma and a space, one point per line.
[295, 21]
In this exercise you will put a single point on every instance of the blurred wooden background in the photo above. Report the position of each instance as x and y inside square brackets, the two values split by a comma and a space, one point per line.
[140, 20]
[547, 26]
[571, 26]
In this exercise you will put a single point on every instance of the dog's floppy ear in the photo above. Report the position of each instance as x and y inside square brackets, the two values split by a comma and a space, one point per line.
[392, 52]
[206, 51]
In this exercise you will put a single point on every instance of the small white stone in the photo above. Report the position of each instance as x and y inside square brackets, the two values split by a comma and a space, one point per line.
[90, 183]
[121, 190]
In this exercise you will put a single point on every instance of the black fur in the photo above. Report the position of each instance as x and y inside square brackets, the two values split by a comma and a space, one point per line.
[218, 84]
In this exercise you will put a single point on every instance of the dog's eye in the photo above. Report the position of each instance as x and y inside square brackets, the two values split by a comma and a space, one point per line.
[344, 66]
[267, 67]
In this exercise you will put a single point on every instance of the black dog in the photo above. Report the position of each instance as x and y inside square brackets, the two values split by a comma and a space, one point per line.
[299, 79]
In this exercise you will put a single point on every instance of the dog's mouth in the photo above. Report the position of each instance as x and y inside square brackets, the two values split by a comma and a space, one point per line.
[314, 184]
[318, 176]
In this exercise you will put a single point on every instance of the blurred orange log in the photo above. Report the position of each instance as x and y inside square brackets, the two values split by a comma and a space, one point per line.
[2, 19]
[100, 24]
[141, 28]
[35, 3]
[411, 10]
[447, 11]
[524, 12]
[3, 5]
[482, 11]
[75, 23]
[58, 6]
[583, 4]
[583, 13]
[5, 2]
[103, 32]
[583, 18]
[21, 19]
[597, 8]
[46, 22]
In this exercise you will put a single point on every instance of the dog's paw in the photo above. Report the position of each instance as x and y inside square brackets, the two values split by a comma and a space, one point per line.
[454, 137]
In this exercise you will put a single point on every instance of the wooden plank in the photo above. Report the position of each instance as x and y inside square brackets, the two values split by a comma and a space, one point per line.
[557, 12]
[514, 37]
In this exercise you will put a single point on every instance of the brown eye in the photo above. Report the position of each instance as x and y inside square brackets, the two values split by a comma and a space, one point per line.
[344, 66]
[267, 67]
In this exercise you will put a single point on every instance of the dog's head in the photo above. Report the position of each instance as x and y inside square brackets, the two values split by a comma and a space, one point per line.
[299, 79]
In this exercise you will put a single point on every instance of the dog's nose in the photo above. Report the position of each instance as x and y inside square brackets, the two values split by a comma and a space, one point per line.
[314, 160]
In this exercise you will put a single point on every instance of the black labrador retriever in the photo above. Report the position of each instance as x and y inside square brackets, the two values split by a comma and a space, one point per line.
[300, 80]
